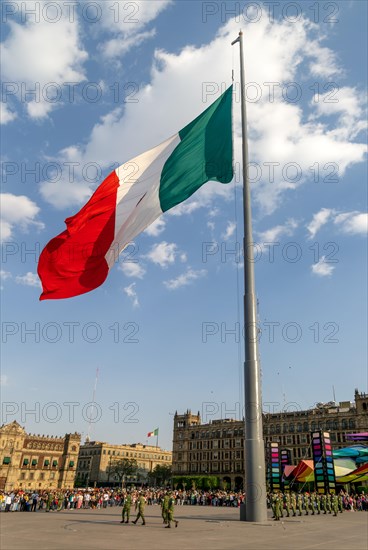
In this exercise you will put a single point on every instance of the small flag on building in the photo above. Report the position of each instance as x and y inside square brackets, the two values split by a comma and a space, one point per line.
[151, 434]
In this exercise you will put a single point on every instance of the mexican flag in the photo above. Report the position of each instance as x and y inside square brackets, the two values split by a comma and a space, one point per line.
[132, 197]
[151, 434]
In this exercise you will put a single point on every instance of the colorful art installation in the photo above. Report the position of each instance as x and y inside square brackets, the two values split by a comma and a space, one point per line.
[362, 436]
[285, 456]
[274, 477]
[324, 473]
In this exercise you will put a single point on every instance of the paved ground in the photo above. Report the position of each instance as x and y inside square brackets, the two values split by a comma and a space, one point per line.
[200, 528]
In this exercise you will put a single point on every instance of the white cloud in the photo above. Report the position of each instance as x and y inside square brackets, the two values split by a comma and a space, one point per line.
[132, 294]
[29, 279]
[163, 254]
[6, 115]
[350, 223]
[229, 232]
[279, 132]
[4, 275]
[126, 21]
[275, 233]
[156, 228]
[17, 211]
[38, 54]
[349, 104]
[319, 219]
[353, 223]
[4, 380]
[185, 278]
[132, 269]
[322, 268]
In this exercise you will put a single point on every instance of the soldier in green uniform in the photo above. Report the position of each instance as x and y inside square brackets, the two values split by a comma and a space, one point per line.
[126, 508]
[306, 503]
[329, 503]
[293, 503]
[299, 502]
[140, 504]
[287, 502]
[341, 503]
[60, 498]
[49, 500]
[318, 502]
[164, 507]
[334, 504]
[324, 503]
[313, 503]
[277, 506]
[170, 512]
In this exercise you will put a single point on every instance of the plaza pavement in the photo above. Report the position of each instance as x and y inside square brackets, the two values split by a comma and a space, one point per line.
[200, 528]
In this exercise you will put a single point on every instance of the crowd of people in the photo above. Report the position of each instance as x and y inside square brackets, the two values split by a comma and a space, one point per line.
[56, 500]
[287, 503]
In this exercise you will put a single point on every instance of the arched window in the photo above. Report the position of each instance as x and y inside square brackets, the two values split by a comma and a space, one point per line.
[305, 427]
[313, 426]
[299, 427]
[284, 428]
[352, 423]
[278, 428]
[291, 427]
[344, 424]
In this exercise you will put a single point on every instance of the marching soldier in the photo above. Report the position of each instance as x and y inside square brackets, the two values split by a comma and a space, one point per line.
[334, 504]
[299, 503]
[293, 503]
[170, 512]
[126, 508]
[340, 503]
[313, 502]
[324, 503]
[306, 503]
[140, 504]
[164, 507]
[277, 506]
[287, 504]
[318, 501]
[49, 500]
[329, 503]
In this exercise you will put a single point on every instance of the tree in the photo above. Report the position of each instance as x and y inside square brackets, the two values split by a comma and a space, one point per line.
[122, 468]
[160, 475]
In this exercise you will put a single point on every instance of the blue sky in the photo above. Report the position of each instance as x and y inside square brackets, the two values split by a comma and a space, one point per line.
[164, 330]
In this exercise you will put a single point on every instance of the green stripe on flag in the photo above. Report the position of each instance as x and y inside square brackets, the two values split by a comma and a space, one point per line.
[204, 153]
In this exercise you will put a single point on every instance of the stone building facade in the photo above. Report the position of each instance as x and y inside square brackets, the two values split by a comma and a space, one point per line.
[96, 457]
[36, 462]
[217, 448]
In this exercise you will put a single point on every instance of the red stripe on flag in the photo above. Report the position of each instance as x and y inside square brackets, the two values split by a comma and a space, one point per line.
[74, 263]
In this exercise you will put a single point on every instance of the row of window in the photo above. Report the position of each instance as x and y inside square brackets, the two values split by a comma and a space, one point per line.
[124, 454]
[216, 444]
[306, 427]
[212, 468]
[207, 434]
[214, 455]
[36, 462]
[31, 476]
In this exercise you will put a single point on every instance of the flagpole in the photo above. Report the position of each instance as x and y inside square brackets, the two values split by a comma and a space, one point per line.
[255, 479]
[157, 439]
